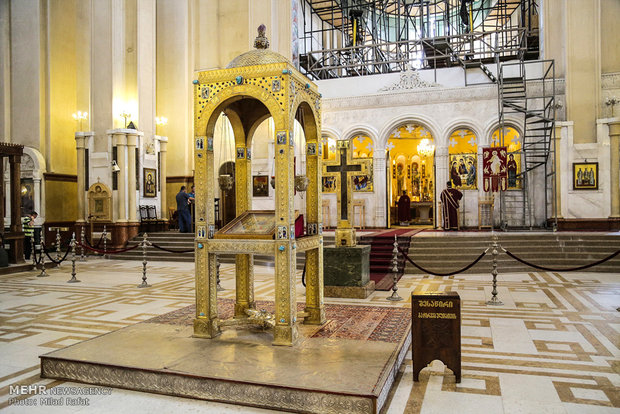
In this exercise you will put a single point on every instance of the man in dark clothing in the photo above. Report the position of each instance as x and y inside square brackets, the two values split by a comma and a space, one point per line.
[28, 228]
[450, 198]
[185, 219]
[404, 209]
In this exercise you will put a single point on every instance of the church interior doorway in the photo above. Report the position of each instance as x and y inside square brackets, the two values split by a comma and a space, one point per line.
[412, 174]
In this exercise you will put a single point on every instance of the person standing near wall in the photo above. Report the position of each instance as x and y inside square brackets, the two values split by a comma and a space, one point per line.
[28, 228]
[183, 202]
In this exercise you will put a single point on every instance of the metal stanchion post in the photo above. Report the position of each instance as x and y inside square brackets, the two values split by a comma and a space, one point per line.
[395, 296]
[144, 244]
[42, 247]
[58, 254]
[105, 241]
[82, 252]
[217, 273]
[494, 301]
[73, 278]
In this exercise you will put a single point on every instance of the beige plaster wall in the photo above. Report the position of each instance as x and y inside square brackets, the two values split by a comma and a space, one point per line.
[60, 201]
[174, 86]
[62, 87]
[610, 36]
[28, 55]
[583, 67]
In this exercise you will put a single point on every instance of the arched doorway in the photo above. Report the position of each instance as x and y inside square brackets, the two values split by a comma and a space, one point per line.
[411, 155]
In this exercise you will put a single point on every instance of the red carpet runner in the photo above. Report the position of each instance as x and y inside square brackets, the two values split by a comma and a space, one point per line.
[381, 246]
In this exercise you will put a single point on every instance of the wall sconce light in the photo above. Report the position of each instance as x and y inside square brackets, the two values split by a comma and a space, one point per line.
[115, 167]
[611, 101]
[79, 116]
[126, 115]
[161, 120]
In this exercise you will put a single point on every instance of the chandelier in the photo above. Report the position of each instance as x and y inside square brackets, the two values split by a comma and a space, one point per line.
[425, 148]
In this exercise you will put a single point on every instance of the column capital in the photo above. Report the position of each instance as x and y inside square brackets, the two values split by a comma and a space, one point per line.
[119, 139]
[614, 127]
[79, 141]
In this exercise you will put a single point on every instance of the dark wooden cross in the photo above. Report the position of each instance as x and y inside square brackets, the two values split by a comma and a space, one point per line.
[343, 168]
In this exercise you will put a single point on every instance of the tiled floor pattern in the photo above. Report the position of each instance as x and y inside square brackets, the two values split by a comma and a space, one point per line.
[552, 348]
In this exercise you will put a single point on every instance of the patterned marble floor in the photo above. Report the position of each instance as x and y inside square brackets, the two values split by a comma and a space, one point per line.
[554, 347]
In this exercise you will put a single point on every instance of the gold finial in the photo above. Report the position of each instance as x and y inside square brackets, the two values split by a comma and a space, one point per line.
[261, 41]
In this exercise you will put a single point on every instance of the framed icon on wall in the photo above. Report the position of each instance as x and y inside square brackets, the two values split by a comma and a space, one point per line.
[585, 176]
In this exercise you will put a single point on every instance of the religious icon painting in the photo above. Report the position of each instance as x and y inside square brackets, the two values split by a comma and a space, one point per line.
[211, 231]
[312, 229]
[275, 85]
[361, 183]
[150, 186]
[281, 137]
[240, 153]
[463, 171]
[311, 149]
[200, 232]
[204, 93]
[494, 172]
[282, 232]
[292, 232]
[200, 143]
[260, 186]
[249, 154]
[329, 184]
[512, 167]
[585, 176]
[210, 144]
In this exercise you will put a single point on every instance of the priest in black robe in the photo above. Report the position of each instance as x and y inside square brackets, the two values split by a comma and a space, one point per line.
[404, 209]
[450, 198]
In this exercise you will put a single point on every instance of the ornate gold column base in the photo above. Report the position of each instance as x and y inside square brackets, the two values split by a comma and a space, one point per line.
[285, 335]
[345, 237]
[316, 316]
[204, 328]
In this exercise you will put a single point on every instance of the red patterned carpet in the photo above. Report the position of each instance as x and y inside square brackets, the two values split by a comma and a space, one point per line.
[363, 323]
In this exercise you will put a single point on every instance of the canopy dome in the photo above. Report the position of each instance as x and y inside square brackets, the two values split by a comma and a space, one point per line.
[257, 57]
[260, 56]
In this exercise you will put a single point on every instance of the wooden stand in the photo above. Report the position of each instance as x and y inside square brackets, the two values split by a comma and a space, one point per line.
[436, 331]
[361, 206]
[485, 212]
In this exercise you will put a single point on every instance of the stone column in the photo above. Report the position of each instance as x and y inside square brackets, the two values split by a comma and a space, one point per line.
[16, 236]
[38, 196]
[163, 171]
[557, 213]
[614, 167]
[134, 224]
[16, 200]
[119, 230]
[81, 175]
[132, 141]
[2, 205]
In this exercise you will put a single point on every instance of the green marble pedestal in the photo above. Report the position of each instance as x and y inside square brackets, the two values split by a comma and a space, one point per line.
[346, 272]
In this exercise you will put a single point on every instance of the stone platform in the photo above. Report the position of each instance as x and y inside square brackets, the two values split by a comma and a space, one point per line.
[347, 365]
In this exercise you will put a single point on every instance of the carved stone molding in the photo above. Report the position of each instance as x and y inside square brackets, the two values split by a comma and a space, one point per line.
[430, 96]
[410, 79]
[256, 395]
[610, 80]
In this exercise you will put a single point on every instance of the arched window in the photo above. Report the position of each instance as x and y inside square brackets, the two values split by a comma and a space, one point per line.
[362, 146]
[512, 140]
[463, 149]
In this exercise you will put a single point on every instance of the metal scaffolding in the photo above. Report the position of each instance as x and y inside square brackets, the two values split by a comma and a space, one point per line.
[343, 38]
